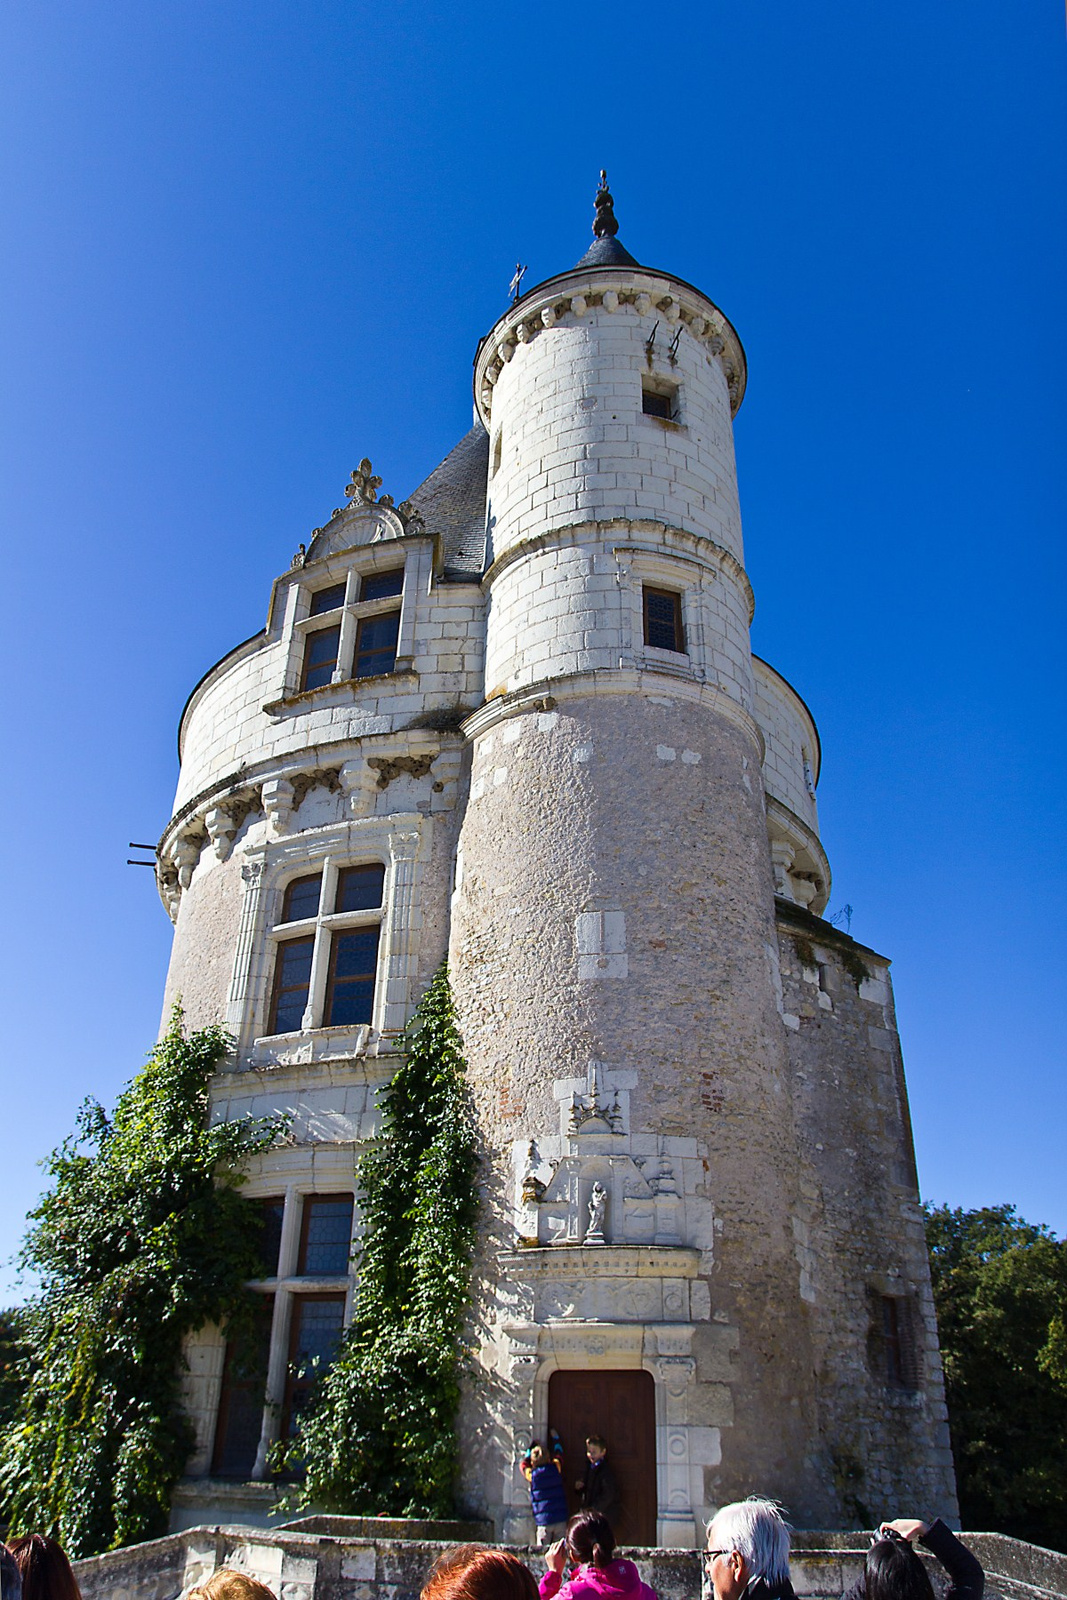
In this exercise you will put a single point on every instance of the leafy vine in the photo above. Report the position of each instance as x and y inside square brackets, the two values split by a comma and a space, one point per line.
[141, 1240]
[378, 1434]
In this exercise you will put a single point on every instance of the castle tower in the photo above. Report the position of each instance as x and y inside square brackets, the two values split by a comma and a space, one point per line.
[518, 717]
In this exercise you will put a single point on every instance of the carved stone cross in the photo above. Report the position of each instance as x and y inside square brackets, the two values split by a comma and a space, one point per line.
[364, 486]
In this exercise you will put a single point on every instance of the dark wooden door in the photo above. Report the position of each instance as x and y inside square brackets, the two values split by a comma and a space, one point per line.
[621, 1406]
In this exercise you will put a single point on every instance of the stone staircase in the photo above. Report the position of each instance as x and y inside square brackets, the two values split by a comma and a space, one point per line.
[370, 1558]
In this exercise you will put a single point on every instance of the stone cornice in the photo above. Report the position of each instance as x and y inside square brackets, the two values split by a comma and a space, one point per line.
[705, 550]
[629, 290]
[647, 680]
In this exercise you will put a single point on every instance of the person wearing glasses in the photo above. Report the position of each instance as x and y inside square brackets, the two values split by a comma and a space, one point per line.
[893, 1570]
[748, 1552]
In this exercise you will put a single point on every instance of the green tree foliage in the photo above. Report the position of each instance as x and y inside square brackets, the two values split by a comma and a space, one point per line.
[1000, 1287]
[378, 1435]
[12, 1363]
[141, 1239]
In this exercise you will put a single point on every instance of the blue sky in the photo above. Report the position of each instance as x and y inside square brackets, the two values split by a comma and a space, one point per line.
[247, 244]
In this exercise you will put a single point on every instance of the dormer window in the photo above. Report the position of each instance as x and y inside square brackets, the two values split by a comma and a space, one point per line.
[330, 599]
[381, 585]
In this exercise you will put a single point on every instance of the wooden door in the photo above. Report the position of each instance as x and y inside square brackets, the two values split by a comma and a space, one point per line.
[621, 1406]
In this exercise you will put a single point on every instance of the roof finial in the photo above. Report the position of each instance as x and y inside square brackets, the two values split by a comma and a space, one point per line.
[604, 225]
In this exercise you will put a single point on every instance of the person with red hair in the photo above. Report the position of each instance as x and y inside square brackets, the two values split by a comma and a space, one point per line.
[45, 1571]
[471, 1572]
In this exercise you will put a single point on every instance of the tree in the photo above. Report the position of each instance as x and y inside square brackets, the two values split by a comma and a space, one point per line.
[378, 1435]
[142, 1239]
[1000, 1288]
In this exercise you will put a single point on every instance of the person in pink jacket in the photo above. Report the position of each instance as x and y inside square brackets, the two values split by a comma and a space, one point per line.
[590, 1544]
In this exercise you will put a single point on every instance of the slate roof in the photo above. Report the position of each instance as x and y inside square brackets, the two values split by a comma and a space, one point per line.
[607, 252]
[452, 503]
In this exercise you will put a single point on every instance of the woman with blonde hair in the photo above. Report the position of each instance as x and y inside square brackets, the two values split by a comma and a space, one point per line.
[227, 1584]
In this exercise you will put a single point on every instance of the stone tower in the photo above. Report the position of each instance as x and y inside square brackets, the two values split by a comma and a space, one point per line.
[518, 718]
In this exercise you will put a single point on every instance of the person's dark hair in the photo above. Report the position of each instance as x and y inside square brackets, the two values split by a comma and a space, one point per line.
[45, 1570]
[597, 1439]
[470, 1572]
[590, 1539]
[10, 1576]
[894, 1572]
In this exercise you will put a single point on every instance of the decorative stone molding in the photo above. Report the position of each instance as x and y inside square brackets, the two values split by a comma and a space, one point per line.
[221, 830]
[615, 289]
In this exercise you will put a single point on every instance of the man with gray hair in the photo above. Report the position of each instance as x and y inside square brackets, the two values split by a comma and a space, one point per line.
[748, 1552]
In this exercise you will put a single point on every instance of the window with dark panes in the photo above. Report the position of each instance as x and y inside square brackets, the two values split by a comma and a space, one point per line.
[327, 599]
[314, 1335]
[270, 1240]
[325, 1236]
[382, 585]
[292, 980]
[898, 1342]
[320, 657]
[663, 619]
[654, 404]
[302, 898]
[244, 1383]
[360, 888]
[350, 991]
[376, 640]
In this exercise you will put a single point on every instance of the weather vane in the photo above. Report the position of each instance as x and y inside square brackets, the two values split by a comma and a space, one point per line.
[516, 282]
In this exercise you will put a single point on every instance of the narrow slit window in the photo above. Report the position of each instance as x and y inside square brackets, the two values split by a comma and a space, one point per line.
[350, 991]
[320, 657]
[663, 620]
[360, 888]
[292, 981]
[382, 585]
[302, 898]
[327, 599]
[376, 645]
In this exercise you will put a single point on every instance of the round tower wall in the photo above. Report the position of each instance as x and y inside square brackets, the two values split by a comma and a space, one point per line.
[569, 440]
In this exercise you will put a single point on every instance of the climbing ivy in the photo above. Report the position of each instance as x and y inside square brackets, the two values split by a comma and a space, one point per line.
[141, 1239]
[378, 1434]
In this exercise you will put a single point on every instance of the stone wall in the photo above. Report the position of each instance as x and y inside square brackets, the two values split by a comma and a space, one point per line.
[308, 1566]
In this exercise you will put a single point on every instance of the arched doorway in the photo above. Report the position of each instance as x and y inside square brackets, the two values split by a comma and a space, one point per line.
[622, 1407]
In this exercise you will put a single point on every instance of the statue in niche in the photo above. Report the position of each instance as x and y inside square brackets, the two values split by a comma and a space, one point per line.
[598, 1205]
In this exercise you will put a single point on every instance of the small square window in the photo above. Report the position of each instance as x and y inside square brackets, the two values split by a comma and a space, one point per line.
[320, 657]
[382, 585]
[327, 599]
[663, 619]
[360, 888]
[302, 899]
[656, 403]
[376, 640]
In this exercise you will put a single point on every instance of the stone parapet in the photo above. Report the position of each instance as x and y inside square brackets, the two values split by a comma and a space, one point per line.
[308, 1565]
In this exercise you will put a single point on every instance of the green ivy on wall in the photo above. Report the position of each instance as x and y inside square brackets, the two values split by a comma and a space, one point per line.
[378, 1435]
[142, 1239]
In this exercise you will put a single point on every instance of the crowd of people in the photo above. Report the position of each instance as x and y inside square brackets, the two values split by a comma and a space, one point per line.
[746, 1558]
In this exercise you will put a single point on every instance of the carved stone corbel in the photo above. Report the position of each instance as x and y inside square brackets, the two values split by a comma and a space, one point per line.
[185, 853]
[278, 803]
[221, 828]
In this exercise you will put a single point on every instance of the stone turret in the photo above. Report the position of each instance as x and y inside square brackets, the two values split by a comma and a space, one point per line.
[517, 717]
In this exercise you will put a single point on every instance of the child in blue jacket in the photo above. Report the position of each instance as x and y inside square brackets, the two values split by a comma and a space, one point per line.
[548, 1497]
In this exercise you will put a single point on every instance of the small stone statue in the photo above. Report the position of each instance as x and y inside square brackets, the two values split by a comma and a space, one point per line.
[598, 1204]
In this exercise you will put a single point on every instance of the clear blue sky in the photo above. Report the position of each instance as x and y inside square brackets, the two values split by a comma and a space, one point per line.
[246, 244]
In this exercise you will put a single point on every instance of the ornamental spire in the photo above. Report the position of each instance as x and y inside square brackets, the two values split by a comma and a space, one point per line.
[604, 224]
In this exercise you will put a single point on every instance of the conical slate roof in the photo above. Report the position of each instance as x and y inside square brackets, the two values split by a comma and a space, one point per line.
[452, 503]
[607, 252]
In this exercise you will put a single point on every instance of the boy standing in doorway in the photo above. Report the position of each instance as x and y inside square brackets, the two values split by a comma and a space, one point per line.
[597, 1486]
